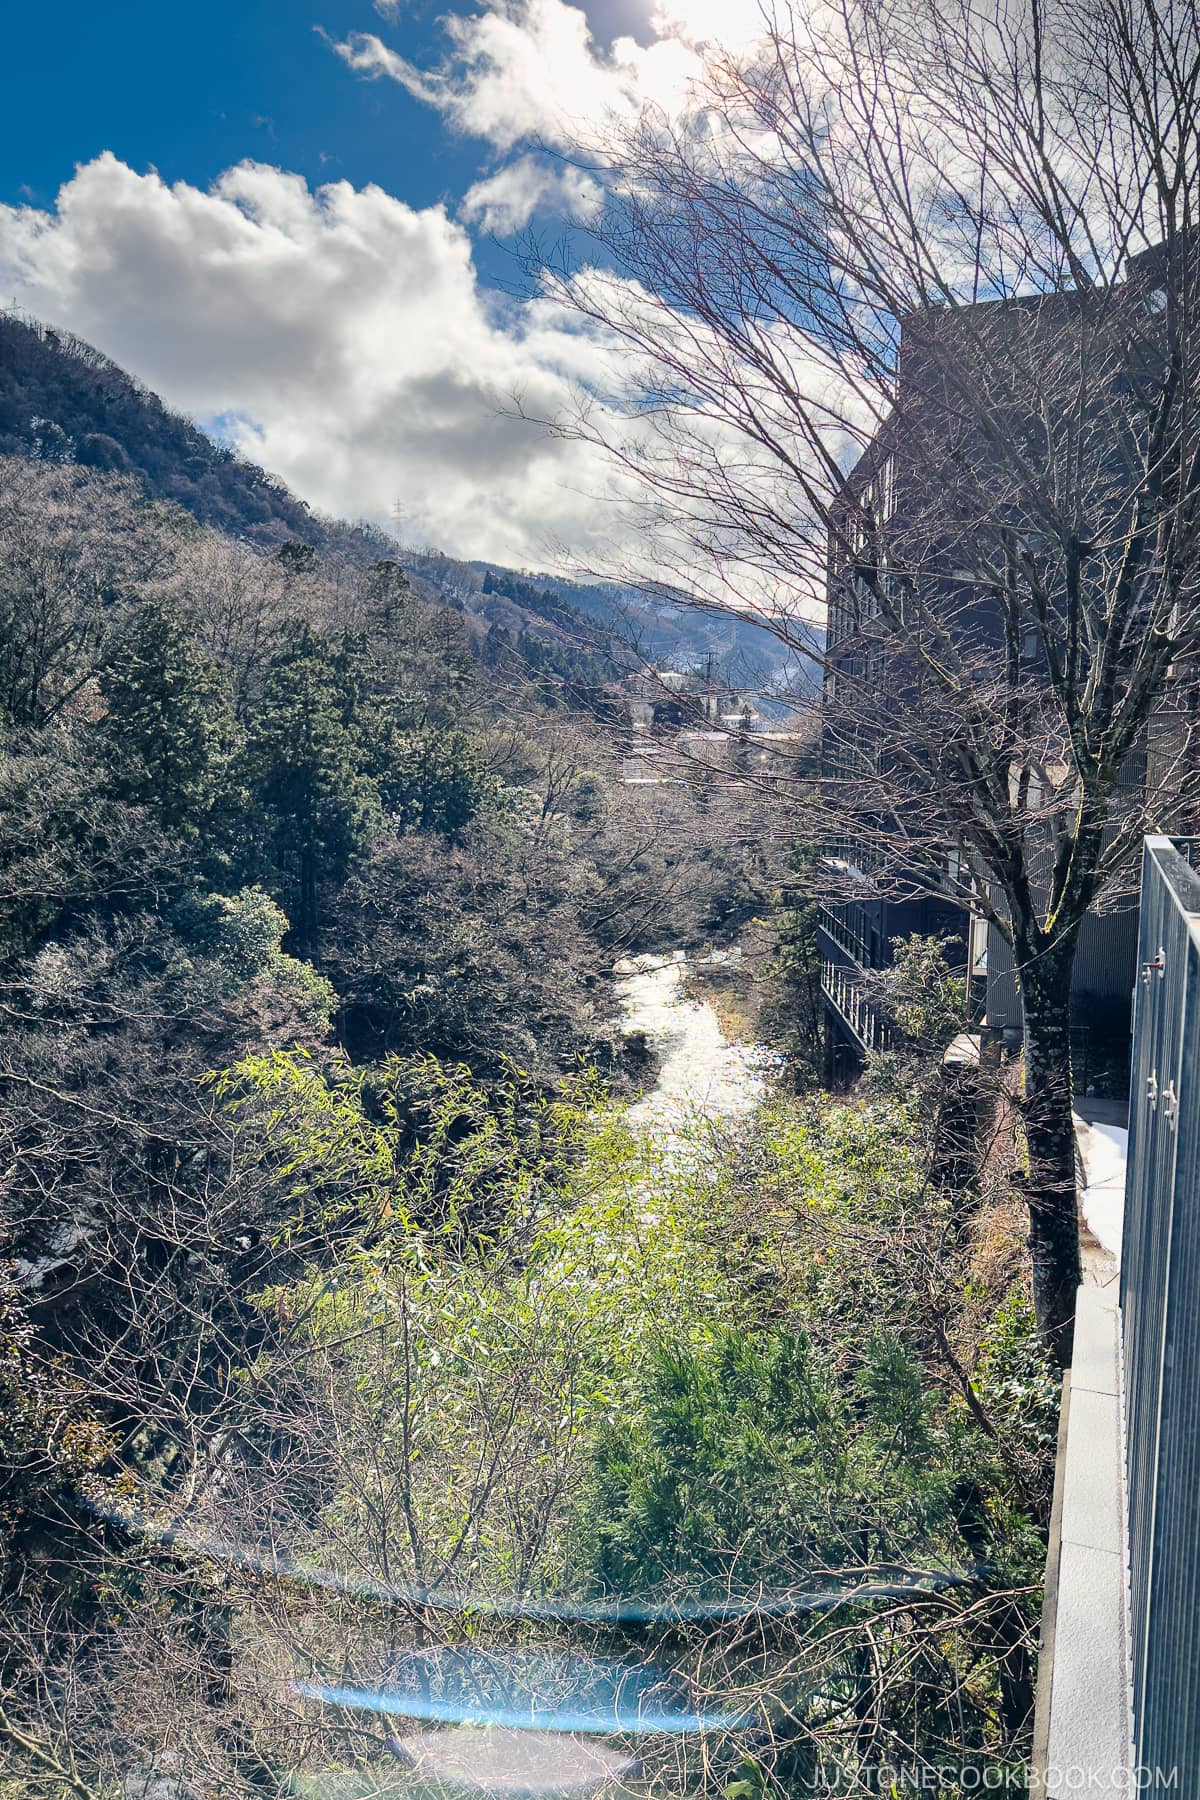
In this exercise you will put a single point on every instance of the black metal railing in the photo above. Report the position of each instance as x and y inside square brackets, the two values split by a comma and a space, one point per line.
[843, 934]
[844, 990]
[1160, 1313]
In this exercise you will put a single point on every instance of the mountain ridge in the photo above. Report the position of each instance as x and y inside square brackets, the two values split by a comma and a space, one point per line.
[63, 400]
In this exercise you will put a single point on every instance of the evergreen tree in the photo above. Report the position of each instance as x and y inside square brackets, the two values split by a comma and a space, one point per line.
[298, 558]
[386, 596]
[305, 762]
[790, 1007]
[436, 781]
[169, 723]
[429, 778]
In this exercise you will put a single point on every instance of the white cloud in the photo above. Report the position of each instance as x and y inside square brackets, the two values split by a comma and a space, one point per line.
[343, 340]
[506, 201]
[530, 69]
[368, 55]
[350, 328]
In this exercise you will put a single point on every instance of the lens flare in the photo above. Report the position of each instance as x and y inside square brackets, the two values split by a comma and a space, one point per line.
[846, 1588]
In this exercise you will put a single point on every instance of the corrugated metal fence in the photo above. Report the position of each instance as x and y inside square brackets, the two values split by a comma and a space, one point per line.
[1160, 1307]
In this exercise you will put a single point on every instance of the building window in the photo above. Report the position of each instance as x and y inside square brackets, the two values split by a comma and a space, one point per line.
[887, 490]
[978, 944]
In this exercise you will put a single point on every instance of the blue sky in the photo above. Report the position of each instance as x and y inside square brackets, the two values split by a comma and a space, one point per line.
[191, 89]
[295, 220]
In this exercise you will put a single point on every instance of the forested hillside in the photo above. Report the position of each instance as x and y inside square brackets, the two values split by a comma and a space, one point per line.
[61, 399]
[629, 625]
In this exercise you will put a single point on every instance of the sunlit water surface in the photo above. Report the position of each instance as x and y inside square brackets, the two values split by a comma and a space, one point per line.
[702, 1074]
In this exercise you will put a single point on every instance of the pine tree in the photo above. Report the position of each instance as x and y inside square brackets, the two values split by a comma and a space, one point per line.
[429, 778]
[386, 596]
[790, 1008]
[435, 781]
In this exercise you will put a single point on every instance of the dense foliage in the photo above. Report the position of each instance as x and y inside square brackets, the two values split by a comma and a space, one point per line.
[694, 1408]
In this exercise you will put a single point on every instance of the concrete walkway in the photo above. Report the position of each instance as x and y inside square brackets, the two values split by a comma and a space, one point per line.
[1102, 1135]
[1083, 1737]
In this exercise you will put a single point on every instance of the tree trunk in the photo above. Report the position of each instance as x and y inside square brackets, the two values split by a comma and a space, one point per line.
[1044, 975]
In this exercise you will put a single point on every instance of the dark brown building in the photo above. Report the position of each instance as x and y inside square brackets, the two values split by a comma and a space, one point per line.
[897, 511]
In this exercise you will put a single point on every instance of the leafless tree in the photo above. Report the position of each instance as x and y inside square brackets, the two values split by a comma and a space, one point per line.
[76, 550]
[905, 317]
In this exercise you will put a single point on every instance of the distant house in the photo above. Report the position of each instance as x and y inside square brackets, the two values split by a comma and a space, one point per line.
[691, 724]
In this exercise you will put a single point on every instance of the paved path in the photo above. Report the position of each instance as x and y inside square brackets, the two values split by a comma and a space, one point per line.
[1102, 1136]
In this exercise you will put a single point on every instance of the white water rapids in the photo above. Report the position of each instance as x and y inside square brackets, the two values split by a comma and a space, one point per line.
[701, 1074]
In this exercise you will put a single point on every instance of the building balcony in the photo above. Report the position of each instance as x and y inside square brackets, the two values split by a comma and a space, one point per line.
[845, 995]
[843, 935]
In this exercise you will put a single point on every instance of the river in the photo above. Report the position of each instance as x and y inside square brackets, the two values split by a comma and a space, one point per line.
[701, 1072]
